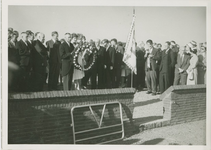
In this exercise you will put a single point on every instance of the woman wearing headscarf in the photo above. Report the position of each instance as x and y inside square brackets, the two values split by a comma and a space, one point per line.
[192, 69]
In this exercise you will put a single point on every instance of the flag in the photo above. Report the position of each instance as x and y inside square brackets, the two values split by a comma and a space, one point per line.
[129, 57]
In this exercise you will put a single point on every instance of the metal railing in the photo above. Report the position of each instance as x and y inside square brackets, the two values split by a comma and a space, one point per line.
[99, 123]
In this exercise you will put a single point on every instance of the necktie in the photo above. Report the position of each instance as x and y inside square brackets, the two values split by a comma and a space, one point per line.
[148, 60]
[182, 57]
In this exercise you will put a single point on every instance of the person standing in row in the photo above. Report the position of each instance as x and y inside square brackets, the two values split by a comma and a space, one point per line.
[25, 62]
[175, 50]
[66, 49]
[166, 68]
[192, 69]
[40, 57]
[109, 64]
[13, 57]
[118, 62]
[78, 74]
[100, 72]
[54, 61]
[151, 57]
[202, 66]
[30, 38]
[183, 62]
[140, 77]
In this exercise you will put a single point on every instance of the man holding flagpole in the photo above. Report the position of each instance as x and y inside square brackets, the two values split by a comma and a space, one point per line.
[129, 57]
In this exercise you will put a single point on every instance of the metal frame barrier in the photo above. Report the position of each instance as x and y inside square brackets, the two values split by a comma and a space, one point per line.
[99, 123]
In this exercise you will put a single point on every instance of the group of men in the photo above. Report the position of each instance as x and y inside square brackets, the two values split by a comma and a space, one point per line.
[160, 66]
[31, 56]
[38, 61]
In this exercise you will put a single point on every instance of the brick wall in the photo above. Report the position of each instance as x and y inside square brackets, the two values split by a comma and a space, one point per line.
[44, 117]
[184, 103]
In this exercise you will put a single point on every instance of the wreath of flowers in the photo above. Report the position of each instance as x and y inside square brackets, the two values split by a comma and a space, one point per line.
[86, 49]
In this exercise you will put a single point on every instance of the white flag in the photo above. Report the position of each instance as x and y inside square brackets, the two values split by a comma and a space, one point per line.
[129, 57]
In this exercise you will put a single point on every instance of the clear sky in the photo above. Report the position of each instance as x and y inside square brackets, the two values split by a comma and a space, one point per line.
[160, 24]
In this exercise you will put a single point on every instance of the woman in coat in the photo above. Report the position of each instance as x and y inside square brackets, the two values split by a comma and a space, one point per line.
[192, 69]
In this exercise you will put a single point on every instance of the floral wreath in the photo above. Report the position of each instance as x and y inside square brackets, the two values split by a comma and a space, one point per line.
[86, 50]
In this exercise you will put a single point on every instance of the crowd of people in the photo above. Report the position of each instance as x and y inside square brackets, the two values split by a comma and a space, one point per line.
[77, 64]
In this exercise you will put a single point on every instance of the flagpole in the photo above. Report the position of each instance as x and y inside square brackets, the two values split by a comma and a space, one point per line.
[131, 79]
[131, 69]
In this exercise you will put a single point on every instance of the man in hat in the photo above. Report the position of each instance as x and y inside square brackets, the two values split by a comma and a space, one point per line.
[193, 45]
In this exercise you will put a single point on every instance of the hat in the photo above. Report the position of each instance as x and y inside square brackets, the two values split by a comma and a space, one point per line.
[173, 43]
[193, 43]
[105, 41]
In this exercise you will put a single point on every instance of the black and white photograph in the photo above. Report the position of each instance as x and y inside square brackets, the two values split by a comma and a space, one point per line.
[110, 74]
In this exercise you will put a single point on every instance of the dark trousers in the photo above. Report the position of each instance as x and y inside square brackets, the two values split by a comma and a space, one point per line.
[39, 76]
[109, 78]
[86, 77]
[24, 80]
[180, 78]
[14, 77]
[54, 70]
[171, 76]
[131, 77]
[117, 76]
[151, 80]
[93, 78]
[158, 78]
[164, 82]
[101, 77]
[67, 79]
[92, 73]
[140, 77]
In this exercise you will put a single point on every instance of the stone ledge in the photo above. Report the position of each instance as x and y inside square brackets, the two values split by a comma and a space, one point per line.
[181, 88]
[76, 93]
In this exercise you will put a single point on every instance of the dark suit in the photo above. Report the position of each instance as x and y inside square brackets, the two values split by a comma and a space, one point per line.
[151, 75]
[100, 67]
[109, 60]
[118, 65]
[181, 78]
[54, 63]
[33, 51]
[39, 57]
[65, 51]
[175, 52]
[140, 77]
[92, 72]
[13, 57]
[25, 65]
[166, 69]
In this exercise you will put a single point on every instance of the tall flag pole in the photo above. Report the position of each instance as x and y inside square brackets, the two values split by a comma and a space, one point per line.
[129, 57]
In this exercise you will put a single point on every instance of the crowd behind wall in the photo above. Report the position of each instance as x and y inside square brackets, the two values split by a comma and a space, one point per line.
[73, 63]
